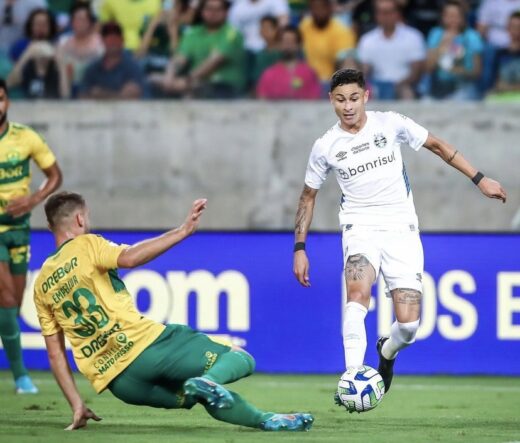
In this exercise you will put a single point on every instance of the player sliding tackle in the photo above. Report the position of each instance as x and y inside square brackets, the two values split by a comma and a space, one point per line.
[78, 294]
[377, 214]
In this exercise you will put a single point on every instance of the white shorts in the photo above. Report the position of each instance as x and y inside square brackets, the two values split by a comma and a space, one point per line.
[396, 253]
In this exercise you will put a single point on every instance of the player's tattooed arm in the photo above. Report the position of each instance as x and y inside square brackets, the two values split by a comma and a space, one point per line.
[489, 187]
[301, 228]
[304, 213]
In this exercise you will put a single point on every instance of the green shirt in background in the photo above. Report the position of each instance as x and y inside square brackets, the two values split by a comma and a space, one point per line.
[264, 59]
[198, 43]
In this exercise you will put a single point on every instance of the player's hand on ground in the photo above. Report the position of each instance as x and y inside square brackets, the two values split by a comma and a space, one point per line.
[80, 418]
[20, 206]
[492, 189]
[301, 268]
[192, 220]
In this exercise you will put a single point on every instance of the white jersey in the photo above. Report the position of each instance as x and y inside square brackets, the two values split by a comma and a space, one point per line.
[369, 169]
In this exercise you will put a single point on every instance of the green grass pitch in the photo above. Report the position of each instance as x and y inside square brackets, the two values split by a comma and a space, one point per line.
[417, 410]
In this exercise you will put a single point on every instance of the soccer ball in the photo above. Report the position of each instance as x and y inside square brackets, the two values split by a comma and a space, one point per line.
[361, 389]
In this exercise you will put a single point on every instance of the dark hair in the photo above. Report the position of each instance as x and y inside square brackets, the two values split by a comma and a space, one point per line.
[3, 85]
[225, 3]
[111, 28]
[396, 4]
[294, 30]
[82, 7]
[271, 19]
[346, 77]
[463, 9]
[53, 28]
[515, 14]
[60, 205]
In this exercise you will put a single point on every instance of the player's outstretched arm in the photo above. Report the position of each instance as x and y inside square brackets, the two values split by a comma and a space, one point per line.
[147, 250]
[302, 225]
[22, 205]
[61, 369]
[489, 187]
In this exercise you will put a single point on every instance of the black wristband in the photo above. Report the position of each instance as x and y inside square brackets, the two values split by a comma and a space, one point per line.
[300, 246]
[478, 176]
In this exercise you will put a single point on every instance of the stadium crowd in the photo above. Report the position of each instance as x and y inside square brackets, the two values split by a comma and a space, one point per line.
[270, 49]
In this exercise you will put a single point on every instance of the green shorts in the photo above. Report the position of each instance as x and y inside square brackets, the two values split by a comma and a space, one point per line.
[15, 249]
[157, 376]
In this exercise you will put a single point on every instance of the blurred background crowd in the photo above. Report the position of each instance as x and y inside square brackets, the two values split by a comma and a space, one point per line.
[269, 49]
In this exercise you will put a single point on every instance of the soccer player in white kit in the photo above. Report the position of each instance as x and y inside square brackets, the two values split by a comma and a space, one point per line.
[377, 213]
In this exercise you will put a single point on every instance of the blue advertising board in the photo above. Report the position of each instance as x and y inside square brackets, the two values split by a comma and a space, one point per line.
[241, 285]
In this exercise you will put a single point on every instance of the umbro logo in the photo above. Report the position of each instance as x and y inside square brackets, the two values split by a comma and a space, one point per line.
[341, 155]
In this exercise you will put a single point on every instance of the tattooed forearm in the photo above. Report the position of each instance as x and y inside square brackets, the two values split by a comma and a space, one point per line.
[304, 213]
[301, 217]
[357, 267]
[407, 296]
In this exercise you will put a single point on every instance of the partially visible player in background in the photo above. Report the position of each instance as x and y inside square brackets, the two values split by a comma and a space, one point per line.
[377, 213]
[18, 144]
[78, 294]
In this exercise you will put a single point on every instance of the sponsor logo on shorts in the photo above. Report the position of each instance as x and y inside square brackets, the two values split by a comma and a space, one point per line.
[211, 358]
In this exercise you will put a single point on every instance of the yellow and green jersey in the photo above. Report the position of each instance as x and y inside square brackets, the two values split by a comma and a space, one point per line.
[78, 291]
[18, 144]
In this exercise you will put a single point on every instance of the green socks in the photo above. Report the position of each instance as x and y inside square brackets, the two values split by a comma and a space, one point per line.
[230, 367]
[241, 413]
[10, 334]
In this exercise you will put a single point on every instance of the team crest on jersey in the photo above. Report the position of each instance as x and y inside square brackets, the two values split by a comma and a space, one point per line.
[380, 140]
[13, 157]
[341, 155]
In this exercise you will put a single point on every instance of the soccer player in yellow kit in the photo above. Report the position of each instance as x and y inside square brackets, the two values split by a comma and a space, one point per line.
[18, 144]
[78, 294]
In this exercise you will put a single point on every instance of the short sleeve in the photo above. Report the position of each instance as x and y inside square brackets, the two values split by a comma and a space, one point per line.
[41, 153]
[363, 50]
[230, 44]
[104, 253]
[417, 51]
[344, 40]
[317, 168]
[409, 132]
[48, 322]
[434, 38]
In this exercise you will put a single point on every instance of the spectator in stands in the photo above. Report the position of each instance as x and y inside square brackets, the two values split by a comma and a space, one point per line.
[40, 26]
[131, 15]
[268, 56]
[13, 17]
[392, 55]
[423, 15]
[492, 20]
[116, 75]
[210, 59]
[507, 83]
[5, 65]
[325, 40]
[246, 15]
[82, 46]
[454, 56]
[39, 73]
[291, 78]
